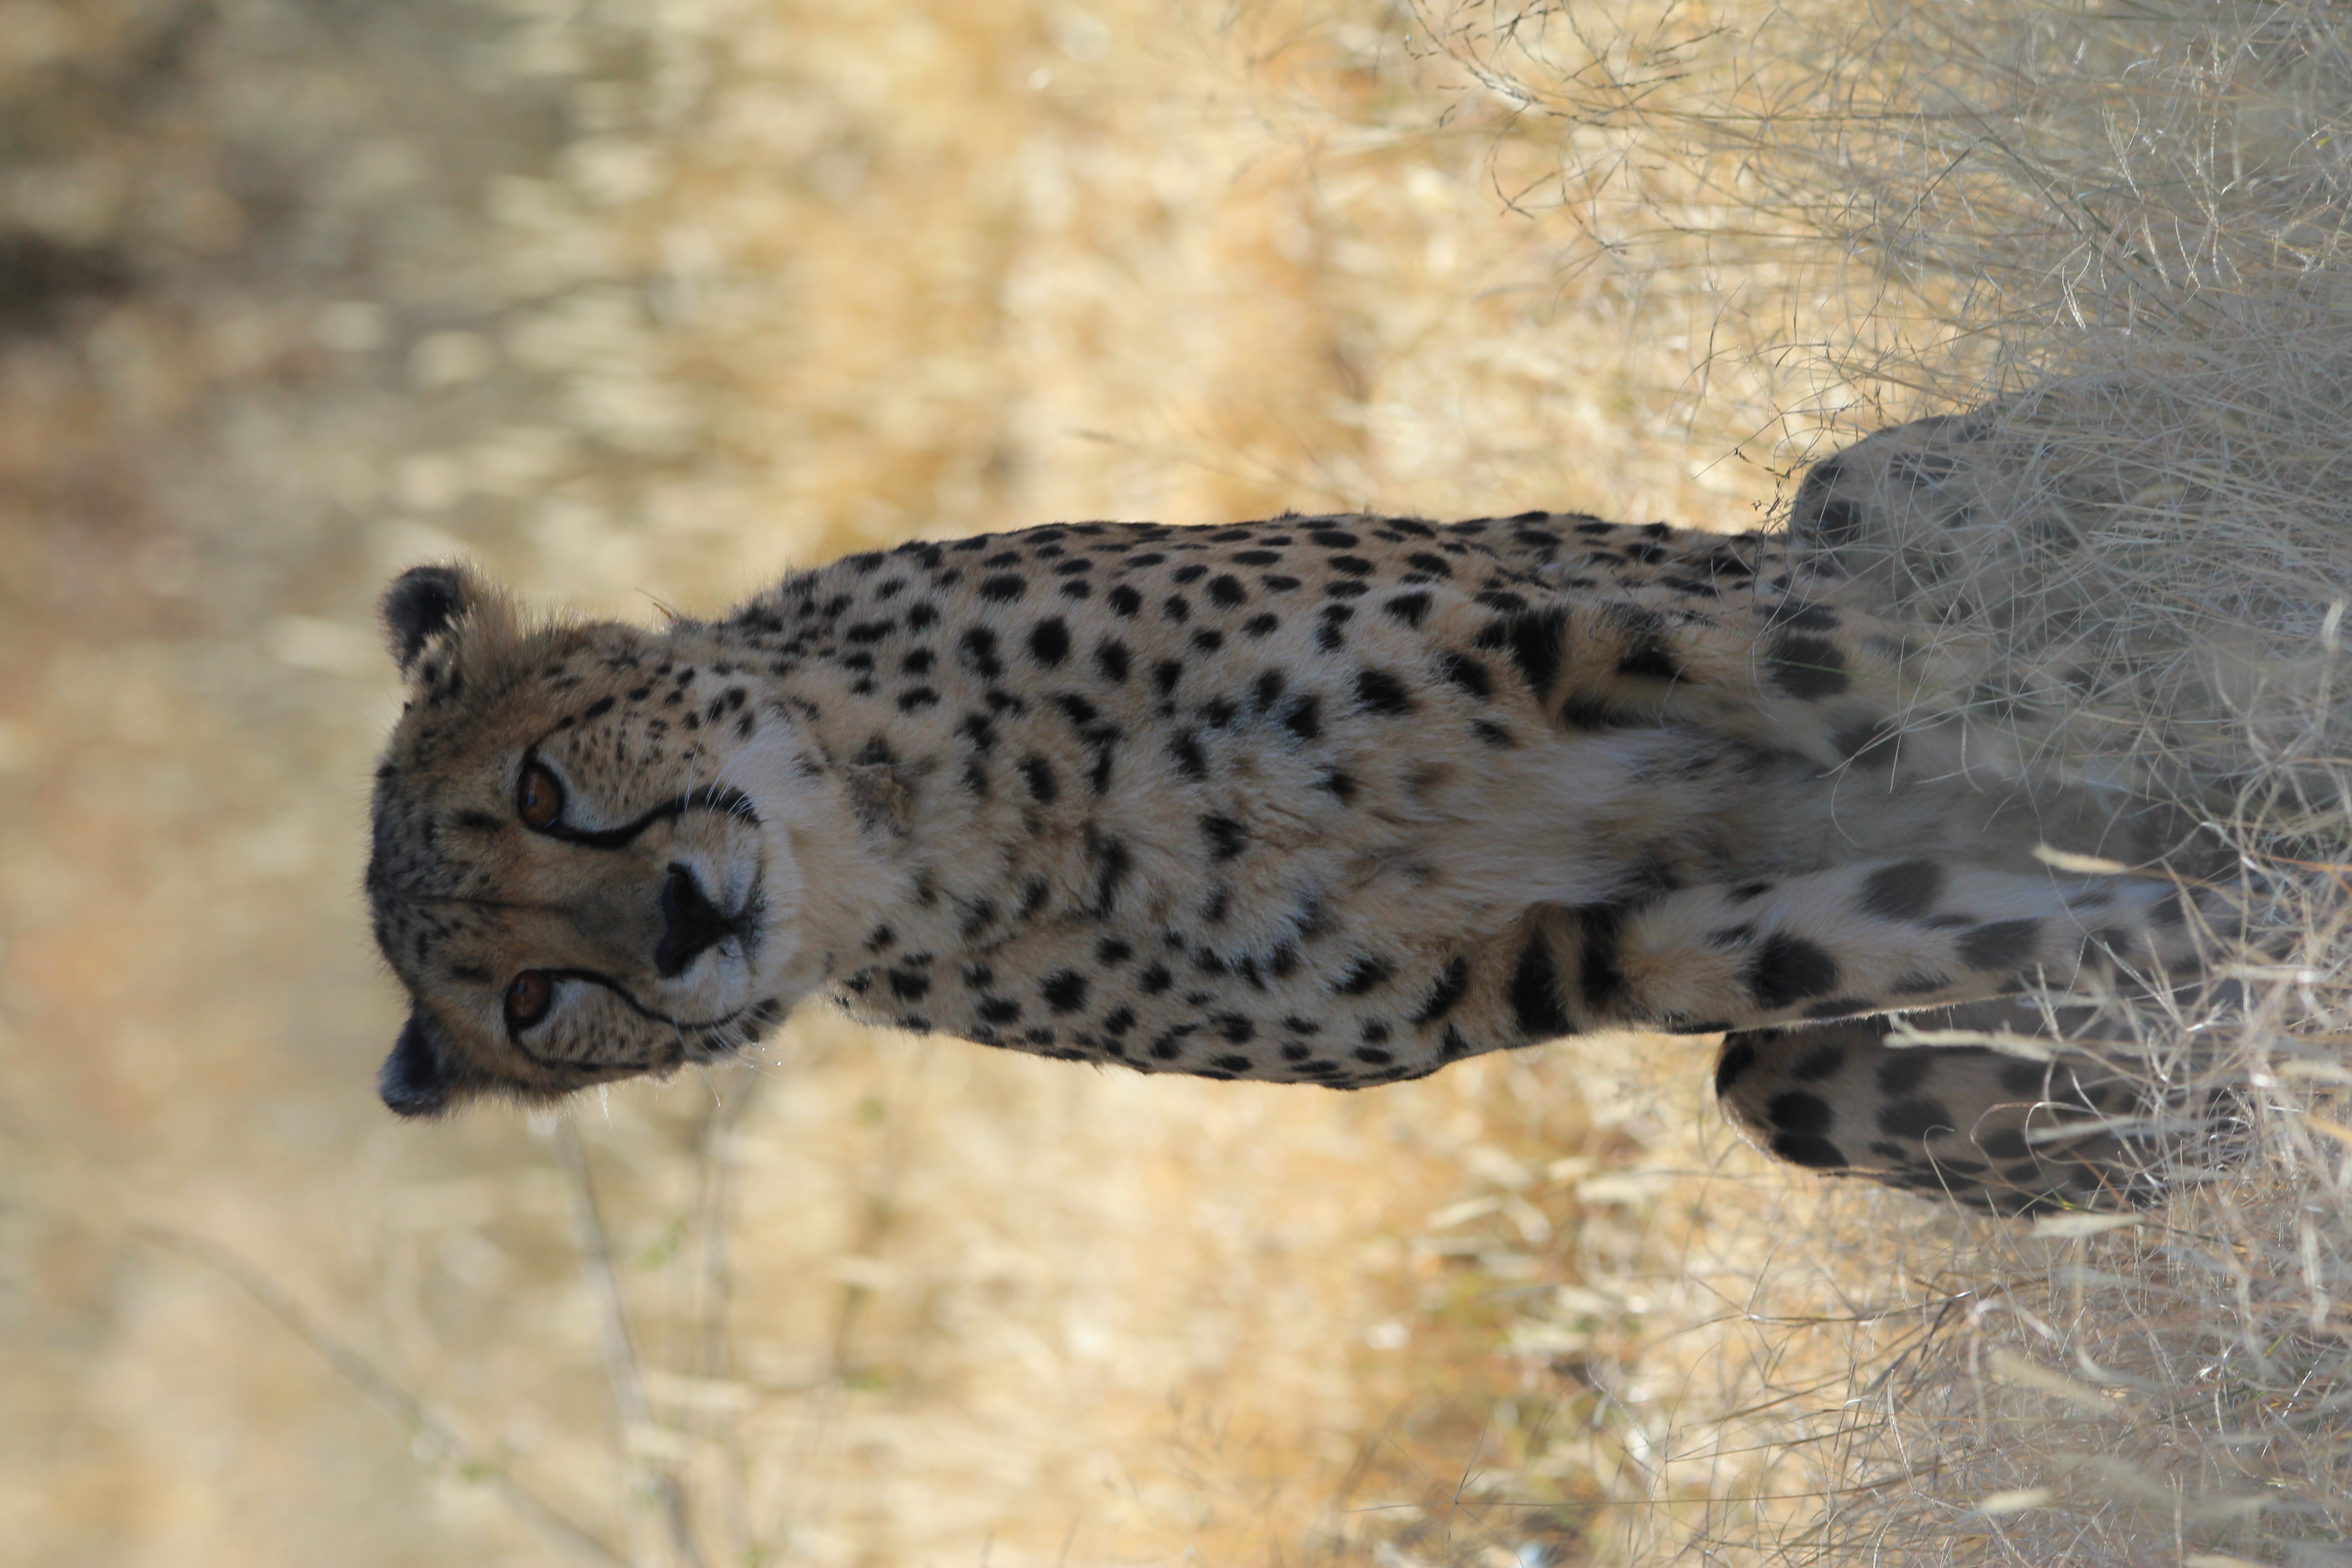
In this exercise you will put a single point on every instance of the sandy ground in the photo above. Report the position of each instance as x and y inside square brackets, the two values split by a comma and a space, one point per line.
[637, 303]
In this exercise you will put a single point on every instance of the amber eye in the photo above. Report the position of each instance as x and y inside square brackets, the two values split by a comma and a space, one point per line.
[527, 997]
[538, 799]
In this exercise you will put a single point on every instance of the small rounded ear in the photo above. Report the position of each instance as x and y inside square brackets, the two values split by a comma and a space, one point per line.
[414, 1079]
[420, 606]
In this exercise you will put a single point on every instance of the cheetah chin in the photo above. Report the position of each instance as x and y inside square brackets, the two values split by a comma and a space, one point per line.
[1329, 800]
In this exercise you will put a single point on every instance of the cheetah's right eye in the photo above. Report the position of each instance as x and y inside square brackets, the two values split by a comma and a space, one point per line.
[538, 798]
[527, 997]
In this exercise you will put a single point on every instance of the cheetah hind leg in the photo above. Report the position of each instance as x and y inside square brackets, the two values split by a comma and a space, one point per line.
[1988, 1129]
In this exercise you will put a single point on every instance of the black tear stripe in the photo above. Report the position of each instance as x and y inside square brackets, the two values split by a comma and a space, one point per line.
[717, 798]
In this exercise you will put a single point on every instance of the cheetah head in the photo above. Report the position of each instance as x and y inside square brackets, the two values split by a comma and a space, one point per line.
[582, 865]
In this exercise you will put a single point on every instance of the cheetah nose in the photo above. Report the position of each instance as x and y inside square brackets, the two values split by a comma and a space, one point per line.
[691, 923]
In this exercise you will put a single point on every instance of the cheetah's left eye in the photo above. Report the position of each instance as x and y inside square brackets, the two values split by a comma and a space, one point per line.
[538, 798]
[528, 995]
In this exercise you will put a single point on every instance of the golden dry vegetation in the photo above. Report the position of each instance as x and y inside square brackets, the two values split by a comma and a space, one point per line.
[638, 301]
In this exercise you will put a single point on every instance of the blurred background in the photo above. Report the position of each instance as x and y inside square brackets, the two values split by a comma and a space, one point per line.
[639, 302]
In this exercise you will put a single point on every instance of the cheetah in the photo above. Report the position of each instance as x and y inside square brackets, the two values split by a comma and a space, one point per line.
[1332, 800]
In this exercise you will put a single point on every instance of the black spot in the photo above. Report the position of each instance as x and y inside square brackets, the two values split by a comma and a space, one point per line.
[1226, 591]
[2025, 1077]
[1533, 642]
[1535, 994]
[918, 698]
[1914, 1119]
[1838, 521]
[1819, 1063]
[1598, 976]
[1040, 774]
[998, 1009]
[1178, 607]
[1381, 692]
[1809, 1149]
[1465, 672]
[1787, 970]
[2009, 1143]
[1186, 751]
[1049, 642]
[1647, 658]
[1227, 837]
[1154, 980]
[1869, 745]
[1410, 608]
[908, 986]
[1258, 558]
[1033, 895]
[1111, 660]
[1260, 625]
[1810, 617]
[978, 646]
[1304, 717]
[1449, 990]
[1125, 600]
[1065, 991]
[1362, 976]
[1904, 1072]
[2000, 944]
[1234, 1028]
[1808, 669]
[1166, 674]
[1333, 538]
[1795, 1111]
[1435, 565]
[1737, 1056]
[1903, 892]
[999, 589]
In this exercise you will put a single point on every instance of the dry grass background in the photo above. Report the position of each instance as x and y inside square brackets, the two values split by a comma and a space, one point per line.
[650, 298]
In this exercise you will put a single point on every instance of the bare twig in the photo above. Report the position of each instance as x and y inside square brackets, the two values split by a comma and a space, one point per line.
[434, 1432]
[640, 1438]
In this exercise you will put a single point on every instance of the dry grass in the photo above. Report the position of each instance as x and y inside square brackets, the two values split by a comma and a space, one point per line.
[656, 298]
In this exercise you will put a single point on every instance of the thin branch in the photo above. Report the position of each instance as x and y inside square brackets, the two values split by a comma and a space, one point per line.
[423, 1424]
[639, 1436]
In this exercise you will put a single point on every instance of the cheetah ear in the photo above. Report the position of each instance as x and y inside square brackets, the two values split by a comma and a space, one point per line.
[423, 602]
[415, 1081]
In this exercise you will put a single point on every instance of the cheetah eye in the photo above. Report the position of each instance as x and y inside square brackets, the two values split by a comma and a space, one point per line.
[538, 798]
[527, 997]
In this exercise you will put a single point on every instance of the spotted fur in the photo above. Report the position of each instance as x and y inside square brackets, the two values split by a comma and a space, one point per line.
[1332, 800]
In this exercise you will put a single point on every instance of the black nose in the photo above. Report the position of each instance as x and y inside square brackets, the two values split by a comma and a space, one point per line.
[691, 924]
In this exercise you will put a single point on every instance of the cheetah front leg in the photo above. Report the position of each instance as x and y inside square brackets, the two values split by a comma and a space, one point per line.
[1875, 937]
